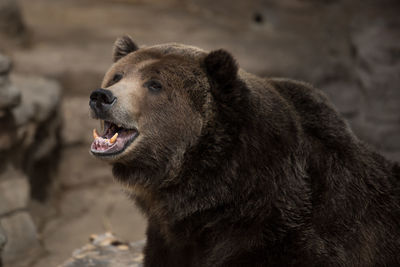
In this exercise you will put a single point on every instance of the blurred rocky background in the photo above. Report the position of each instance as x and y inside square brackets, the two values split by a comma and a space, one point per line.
[53, 53]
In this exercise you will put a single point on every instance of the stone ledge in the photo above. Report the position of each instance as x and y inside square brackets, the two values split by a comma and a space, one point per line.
[22, 239]
[107, 250]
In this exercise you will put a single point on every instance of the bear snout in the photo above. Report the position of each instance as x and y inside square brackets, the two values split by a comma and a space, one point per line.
[101, 100]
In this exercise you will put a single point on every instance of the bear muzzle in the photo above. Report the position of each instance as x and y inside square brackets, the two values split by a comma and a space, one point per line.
[115, 135]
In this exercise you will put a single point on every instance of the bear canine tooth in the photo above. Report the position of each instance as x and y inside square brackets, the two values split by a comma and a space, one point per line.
[114, 138]
[95, 134]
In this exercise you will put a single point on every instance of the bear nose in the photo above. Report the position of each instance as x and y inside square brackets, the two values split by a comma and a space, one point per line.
[101, 100]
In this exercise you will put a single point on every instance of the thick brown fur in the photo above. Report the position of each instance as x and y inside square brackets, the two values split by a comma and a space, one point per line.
[235, 170]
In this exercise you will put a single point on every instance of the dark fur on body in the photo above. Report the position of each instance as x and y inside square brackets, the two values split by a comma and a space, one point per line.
[275, 178]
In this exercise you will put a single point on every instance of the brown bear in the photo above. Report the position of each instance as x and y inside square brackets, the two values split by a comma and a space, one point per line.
[236, 170]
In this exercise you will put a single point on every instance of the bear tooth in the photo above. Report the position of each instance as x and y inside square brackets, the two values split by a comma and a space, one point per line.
[95, 134]
[119, 126]
[114, 138]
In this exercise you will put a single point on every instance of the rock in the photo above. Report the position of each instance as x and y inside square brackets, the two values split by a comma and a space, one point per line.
[378, 56]
[107, 250]
[16, 222]
[29, 142]
[5, 65]
[3, 241]
[11, 22]
[14, 191]
[9, 95]
[8, 136]
[38, 122]
[376, 43]
[41, 98]
[22, 239]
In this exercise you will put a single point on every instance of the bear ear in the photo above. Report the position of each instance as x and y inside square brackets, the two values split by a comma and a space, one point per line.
[123, 46]
[221, 67]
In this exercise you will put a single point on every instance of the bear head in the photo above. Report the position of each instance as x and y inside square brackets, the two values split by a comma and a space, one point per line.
[156, 103]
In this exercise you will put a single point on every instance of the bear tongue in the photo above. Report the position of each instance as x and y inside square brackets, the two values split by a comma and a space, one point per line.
[116, 143]
[102, 144]
[111, 140]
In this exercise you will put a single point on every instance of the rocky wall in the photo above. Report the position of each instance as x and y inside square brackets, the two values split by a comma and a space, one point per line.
[29, 142]
[349, 49]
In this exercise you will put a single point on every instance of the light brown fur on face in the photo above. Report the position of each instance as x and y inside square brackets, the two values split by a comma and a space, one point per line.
[129, 90]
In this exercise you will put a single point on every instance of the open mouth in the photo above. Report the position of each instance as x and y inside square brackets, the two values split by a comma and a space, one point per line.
[114, 139]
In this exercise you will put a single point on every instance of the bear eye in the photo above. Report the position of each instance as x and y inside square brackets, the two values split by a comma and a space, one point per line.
[154, 86]
[116, 78]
